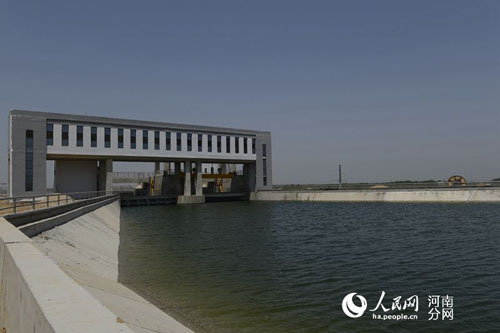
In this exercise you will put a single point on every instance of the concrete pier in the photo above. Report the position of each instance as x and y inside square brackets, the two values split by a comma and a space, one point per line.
[187, 197]
[106, 175]
[187, 178]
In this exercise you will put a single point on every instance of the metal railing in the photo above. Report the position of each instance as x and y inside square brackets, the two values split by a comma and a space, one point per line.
[19, 204]
[146, 175]
[133, 175]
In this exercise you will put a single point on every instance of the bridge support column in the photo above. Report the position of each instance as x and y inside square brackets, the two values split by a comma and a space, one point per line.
[178, 180]
[106, 175]
[249, 173]
[157, 168]
[166, 167]
[187, 198]
[199, 179]
[187, 178]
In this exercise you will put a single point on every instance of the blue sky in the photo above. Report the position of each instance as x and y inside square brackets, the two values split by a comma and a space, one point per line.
[390, 89]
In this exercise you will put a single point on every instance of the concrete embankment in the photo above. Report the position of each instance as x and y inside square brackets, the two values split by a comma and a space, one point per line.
[384, 195]
[37, 296]
[86, 248]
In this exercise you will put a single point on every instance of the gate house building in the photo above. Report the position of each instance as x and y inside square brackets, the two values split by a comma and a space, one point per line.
[84, 148]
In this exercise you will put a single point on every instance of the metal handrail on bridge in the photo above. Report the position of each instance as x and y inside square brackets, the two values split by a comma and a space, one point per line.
[34, 202]
[132, 174]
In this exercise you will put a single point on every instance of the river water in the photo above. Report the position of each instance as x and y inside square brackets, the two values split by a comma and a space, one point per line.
[286, 266]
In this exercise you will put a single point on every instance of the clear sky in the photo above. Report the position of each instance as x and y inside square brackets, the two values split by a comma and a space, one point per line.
[391, 89]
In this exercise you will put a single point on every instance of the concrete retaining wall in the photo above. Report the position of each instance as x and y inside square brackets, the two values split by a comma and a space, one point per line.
[86, 248]
[37, 296]
[34, 228]
[437, 195]
[23, 218]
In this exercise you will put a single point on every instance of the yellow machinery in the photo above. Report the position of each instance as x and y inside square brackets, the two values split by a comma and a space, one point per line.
[456, 180]
[219, 177]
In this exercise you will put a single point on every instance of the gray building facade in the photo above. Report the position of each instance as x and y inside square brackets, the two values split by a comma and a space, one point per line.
[84, 148]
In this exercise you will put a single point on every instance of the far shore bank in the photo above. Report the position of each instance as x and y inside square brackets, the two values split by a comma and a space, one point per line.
[383, 195]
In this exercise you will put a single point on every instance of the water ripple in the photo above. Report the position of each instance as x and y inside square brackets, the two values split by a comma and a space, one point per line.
[285, 267]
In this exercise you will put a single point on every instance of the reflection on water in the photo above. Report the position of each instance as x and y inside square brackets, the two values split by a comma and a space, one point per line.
[285, 267]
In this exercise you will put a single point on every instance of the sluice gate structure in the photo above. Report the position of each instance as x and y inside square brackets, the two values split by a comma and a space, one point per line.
[84, 148]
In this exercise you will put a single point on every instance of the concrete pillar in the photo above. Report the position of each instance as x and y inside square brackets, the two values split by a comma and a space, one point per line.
[187, 178]
[157, 168]
[249, 171]
[199, 179]
[106, 175]
[166, 167]
[187, 198]
[17, 141]
[264, 162]
[178, 180]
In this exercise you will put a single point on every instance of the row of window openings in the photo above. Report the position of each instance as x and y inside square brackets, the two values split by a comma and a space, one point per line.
[145, 139]
[107, 133]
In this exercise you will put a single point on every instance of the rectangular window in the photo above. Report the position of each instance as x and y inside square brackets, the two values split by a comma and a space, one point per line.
[79, 136]
[120, 138]
[107, 137]
[237, 145]
[219, 144]
[264, 150]
[264, 171]
[65, 135]
[190, 141]
[245, 145]
[209, 143]
[133, 139]
[50, 134]
[145, 137]
[179, 142]
[28, 179]
[200, 142]
[253, 145]
[228, 144]
[93, 136]
[157, 140]
[168, 141]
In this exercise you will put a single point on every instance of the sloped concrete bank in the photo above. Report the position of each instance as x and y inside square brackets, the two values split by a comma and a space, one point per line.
[384, 195]
[37, 296]
[86, 248]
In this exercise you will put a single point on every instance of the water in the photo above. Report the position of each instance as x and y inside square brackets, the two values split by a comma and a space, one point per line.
[285, 267]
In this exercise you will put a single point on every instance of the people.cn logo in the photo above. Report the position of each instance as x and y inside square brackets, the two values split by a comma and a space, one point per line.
[352, 310]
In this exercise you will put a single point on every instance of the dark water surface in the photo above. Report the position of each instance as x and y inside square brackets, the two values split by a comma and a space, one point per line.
[286, 267]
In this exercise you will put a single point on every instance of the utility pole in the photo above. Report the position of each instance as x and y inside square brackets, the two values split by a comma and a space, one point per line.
[340, 176]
